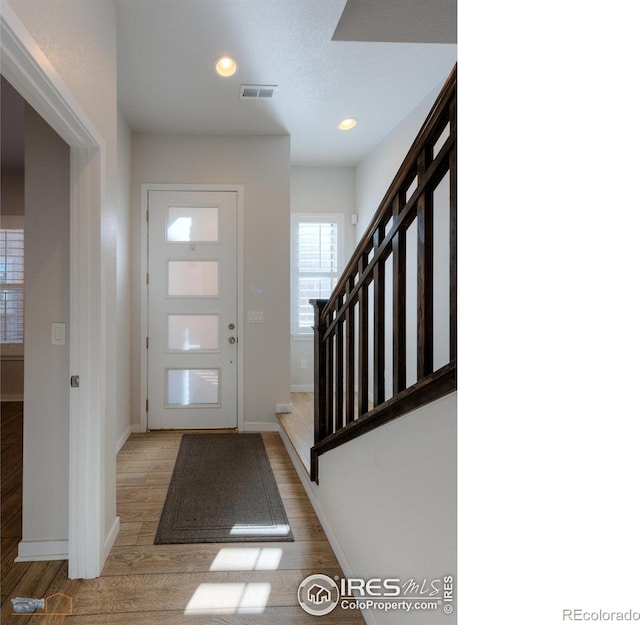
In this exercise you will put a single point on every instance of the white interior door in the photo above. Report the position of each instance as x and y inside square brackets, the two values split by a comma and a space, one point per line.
[192, 329]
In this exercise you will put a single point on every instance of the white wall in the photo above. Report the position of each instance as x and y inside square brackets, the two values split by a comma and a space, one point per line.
[79, 40]
[123, 284]
[46, 386]
[319, 190]
[390, 500]
[262, 165]
[12, 201]
[375, 173]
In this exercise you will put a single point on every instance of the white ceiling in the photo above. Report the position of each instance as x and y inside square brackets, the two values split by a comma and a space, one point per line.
[167, 84]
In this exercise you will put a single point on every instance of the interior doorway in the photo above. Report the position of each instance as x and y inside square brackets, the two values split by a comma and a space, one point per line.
[34, 323]
[11, 243]
[11, 322]
[90, 532]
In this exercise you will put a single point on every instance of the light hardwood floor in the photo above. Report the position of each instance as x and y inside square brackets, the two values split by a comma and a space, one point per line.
[147, 584]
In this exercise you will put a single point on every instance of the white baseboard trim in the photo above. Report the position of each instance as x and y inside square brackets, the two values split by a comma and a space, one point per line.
[123, 439]
[111, 537]
[11, 397]
[261, 426]
[136, 428]
[306, 482]
[302, 388]
[345, 565]
[284, 408]
[39, 550]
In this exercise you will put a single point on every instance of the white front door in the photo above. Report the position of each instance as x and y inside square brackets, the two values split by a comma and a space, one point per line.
[192, 329]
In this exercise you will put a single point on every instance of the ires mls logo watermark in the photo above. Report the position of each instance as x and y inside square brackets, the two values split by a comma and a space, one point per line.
[319, 594]
[57, 604]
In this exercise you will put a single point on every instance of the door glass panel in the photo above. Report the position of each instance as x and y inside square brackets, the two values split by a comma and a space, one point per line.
[192, 387]
[188, 278]
[192, 223]
[192, 333]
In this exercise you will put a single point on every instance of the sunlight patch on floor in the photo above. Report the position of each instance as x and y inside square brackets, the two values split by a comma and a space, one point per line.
[282, 529]
[247, 559]
[229, 598]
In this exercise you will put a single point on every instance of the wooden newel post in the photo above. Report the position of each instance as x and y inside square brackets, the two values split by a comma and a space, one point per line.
[320, 428]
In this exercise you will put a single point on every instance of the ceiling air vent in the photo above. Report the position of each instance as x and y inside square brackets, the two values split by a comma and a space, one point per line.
[254, 92]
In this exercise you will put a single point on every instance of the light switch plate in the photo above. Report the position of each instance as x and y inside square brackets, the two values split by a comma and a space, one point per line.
[58, 334]
[255, 316]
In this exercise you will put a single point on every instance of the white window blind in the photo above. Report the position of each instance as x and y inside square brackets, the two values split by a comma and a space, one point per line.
[316, 264]
[11, 285]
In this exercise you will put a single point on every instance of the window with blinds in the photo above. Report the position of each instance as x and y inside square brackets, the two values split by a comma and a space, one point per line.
[11, 286]
[316, 264]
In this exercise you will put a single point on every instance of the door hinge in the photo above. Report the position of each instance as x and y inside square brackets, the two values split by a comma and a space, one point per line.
[147, 215]
[147, 406]
[147, 342]
[147, 278]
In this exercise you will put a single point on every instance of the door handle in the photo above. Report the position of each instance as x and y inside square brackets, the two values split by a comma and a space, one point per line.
[232, 339]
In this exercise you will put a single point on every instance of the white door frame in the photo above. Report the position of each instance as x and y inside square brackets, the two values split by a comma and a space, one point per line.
[27, 68]
[144, 268]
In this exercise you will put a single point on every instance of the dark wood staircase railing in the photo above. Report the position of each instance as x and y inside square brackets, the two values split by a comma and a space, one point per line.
[352, 340]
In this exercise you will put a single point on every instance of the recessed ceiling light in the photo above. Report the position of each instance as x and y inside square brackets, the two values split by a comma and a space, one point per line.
[226, 66]
[347, 124]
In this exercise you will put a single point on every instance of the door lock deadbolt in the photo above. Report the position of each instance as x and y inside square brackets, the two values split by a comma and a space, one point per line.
[232, 326]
